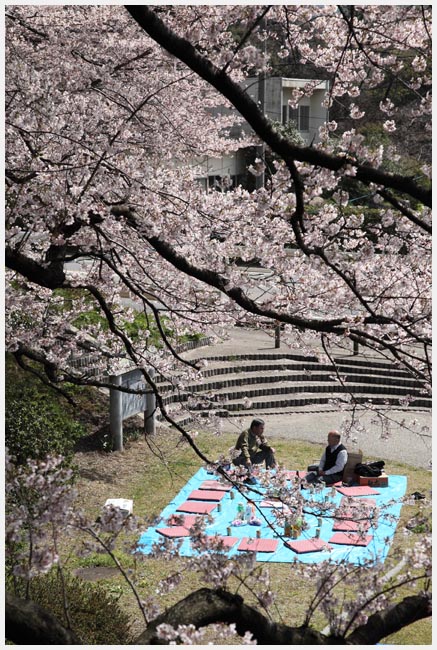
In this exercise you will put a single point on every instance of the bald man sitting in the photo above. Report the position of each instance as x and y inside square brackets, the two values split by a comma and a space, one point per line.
[332, 462]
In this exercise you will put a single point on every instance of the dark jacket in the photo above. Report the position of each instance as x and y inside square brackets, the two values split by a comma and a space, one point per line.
[331, 457]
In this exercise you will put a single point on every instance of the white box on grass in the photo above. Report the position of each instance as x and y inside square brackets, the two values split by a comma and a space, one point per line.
[125, 505]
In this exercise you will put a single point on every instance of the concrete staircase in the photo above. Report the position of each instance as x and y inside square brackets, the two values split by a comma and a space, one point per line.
[278, 382]
[275, 382]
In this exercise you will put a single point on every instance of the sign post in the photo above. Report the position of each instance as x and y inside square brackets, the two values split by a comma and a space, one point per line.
[123, 405]
[115, 414]
[149, 413]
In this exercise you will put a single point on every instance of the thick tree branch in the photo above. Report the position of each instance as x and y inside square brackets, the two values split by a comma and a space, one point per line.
[207, 606]
[407, 213]
[27, 623]
[51, 276]
[334, 325]
[187, 53]
[382, 624]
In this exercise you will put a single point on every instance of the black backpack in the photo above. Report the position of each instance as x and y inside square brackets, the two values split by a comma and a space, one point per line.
[370, 469]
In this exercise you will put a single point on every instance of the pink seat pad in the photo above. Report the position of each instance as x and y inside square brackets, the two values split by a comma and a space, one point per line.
[199, 507]
[358, 491]
[187, 521]
[206, 495]
[291, 474]
[215, 485]
[351, 539]
[308, 545]
[174, 531]
[271, 503]
[258, 545]
[351, 503]
[226, 539]
[352, 526]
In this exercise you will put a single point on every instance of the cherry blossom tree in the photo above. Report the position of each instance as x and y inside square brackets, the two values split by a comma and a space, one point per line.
[111, 111]
[101, 164]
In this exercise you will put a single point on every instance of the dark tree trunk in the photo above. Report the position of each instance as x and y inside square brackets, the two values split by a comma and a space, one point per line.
[29, 624]
[26, 623]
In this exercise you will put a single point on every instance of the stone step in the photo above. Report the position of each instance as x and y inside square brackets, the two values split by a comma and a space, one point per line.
[276, 407]
[276, 404]
[267, 377]
[293, 389]
[230, 366]
[275, 356]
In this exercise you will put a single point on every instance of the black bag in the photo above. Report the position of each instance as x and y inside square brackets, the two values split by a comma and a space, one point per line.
[370, 469]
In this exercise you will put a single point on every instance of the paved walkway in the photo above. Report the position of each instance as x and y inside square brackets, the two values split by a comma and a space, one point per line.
[406, 442]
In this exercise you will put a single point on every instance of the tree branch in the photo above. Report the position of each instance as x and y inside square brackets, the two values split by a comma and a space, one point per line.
[181, 48]
[382, 624]
[207, 606]
[51, 276]
[334, 325]
[27, 623]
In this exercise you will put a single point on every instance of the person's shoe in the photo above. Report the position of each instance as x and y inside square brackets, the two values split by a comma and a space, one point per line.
[250, 480]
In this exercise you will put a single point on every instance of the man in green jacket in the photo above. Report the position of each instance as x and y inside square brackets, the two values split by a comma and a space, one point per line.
[253, 447]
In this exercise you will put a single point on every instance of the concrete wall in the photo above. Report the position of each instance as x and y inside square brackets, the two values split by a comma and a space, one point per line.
[277, 92]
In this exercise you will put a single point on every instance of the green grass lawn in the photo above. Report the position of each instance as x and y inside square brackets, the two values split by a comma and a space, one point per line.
[155, 475]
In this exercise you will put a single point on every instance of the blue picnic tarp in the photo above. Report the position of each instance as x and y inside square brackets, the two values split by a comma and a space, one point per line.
[388, 501]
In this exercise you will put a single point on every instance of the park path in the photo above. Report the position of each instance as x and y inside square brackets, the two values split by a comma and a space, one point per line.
[407, 440]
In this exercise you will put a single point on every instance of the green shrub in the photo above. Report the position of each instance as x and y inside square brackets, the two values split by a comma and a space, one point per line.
[95, 615]
[37, 423]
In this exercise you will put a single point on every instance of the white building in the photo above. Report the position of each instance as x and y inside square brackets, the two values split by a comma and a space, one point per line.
[309, 115]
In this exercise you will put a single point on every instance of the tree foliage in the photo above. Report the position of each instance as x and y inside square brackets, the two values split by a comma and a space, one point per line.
[91, 610]
[102, 154]
[37, 424]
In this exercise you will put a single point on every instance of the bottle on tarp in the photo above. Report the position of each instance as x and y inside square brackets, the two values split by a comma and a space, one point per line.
[287, 528]
[240, 510]
[296, 528]
[248, 513]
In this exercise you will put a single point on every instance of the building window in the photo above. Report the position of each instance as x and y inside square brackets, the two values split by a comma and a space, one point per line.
[304, 118]
[299, 116]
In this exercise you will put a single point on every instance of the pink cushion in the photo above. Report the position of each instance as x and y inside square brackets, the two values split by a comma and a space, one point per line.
[226, 539]
[271, 503]
[351, 526]
[174, 531]
[187, 521]
[308, 545]
[258, 545]
[206, 495]
[199, 507]
[351, 539]
[359, 491]
[215, 485]
[352, 503]
[302, 473]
